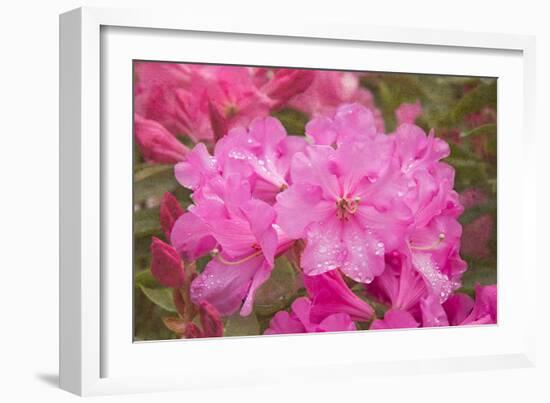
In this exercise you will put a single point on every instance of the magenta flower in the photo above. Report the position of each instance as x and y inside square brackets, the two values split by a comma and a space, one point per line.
[329, 295]
[461, 309]
[262, 154]
[248, 244]
[155, 92]
[429, 266]
[300, 321]
[408, 113]
[458, 310]
[329, 90]
[395, 319]
[344, 201]
[233, 98]
[242, 229]
[156, 144]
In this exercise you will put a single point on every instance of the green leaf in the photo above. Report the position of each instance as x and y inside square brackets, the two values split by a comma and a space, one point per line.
[160, 296]
[153, 181]
[145, 278]
[478, 275]
[485, 94]
[293, 121]
[477, 211]
[488, 129]
[237, 325]
[277, 292]
[146, 222]
[202, 262]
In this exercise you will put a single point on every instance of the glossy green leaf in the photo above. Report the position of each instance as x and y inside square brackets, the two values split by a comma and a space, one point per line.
[153, 181]
[160, 296]
[237, 325]
[146, 222]
[485, 94]
[277, 292]
[488, 129]
[145, 278]
[293, 121]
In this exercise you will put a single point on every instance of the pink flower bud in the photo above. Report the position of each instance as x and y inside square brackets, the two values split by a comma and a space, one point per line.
[170, 211]
[211, 320]
[288, 82]
[157, 145]
[166, 265]
[192, 331]
[408, 113]
[219, 123]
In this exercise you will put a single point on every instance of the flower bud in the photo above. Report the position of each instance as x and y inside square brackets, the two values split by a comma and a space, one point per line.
[408, 113]
[288, 82]
[211, 320]
[157, 145]
[170, 211]
[166, 264]
[219, 123]
[192, 331]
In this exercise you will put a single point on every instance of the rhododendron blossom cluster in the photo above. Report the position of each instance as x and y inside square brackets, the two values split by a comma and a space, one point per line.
[366, 220]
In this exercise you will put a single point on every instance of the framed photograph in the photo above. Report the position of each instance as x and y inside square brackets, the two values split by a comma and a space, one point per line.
[237, 196]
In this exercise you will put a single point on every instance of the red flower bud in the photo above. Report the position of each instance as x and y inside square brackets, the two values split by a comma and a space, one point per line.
[157, 145]
[166, 264]
[218, 121]
[211, 320]
[288, 82]
[192, 331]
[170, 210]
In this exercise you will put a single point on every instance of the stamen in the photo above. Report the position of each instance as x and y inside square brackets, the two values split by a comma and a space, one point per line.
[434, 245]
[347, 207]
[240, 261]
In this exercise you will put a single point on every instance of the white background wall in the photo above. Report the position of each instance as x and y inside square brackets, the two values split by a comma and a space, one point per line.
[29, 199]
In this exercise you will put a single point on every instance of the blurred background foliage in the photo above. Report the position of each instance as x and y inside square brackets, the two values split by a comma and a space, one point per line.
[461, 110]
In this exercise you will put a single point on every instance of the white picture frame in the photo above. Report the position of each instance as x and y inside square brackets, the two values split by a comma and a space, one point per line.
[96, 354]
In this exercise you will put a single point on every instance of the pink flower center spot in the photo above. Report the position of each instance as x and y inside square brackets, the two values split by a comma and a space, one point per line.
[345, 207]
[230, 111]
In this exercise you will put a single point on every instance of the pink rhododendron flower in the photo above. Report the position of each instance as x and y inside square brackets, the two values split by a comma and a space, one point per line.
[395, 319]
[357, 194]
[155, 92]
[156, 144]
[462, 310]
[330, 294]
[458, 310]
[329, 90]
[336, 201]
[300, 321]
[262, 154]
[243, 230]
[226, 216]
[233, 99]
[408, 113]
[204, 102]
